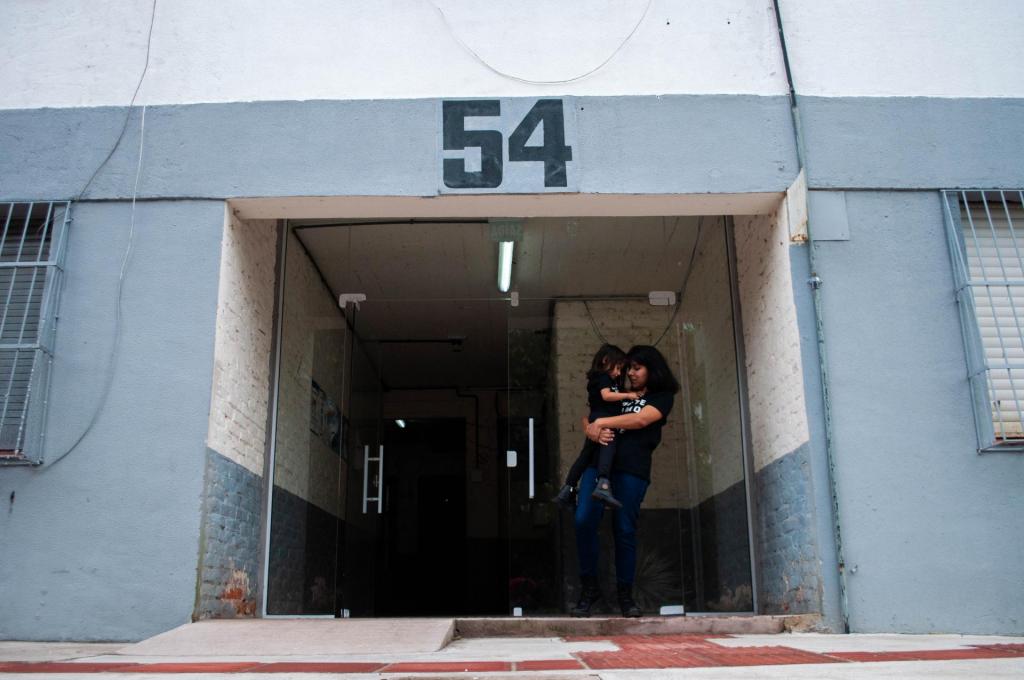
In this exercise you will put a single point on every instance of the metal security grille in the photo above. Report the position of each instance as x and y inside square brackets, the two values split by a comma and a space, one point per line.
[32, 247]
[987, 245]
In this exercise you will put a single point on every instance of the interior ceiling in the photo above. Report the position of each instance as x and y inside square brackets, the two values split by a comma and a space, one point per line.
[437, 281]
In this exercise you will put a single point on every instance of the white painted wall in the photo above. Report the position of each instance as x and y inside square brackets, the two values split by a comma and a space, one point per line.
[65, 53]
[920, 48]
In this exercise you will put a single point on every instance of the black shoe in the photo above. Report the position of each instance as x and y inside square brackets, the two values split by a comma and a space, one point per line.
[589, 595]
[565, 497]
[629, 607]
[603, 493]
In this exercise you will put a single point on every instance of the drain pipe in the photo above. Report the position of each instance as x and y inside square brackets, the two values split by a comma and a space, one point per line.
[815, 283]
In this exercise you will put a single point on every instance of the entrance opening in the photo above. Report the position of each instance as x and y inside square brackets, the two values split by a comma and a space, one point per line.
[423, 424]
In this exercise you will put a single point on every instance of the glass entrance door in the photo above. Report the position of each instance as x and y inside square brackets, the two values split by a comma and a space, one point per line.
[421, 436]
[532, 524]
[423, 526]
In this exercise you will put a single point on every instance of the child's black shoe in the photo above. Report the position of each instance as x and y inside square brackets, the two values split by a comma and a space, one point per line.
[603, 493]
[565, 498]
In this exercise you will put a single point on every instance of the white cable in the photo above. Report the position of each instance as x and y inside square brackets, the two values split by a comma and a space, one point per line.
[131, 234]
[112, 361]
[131, 105]
[597, 68]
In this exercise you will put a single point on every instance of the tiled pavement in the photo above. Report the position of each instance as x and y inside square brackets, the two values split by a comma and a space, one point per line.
[577, 656]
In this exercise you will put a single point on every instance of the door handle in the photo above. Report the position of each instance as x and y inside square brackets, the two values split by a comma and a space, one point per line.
[532, 489]
[380, 482]
[366, 474]
[379, 459]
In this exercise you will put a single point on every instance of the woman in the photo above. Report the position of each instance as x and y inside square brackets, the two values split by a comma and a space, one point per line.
[639, 433]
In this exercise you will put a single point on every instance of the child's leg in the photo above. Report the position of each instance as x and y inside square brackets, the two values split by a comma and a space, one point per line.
[605, 456]
[582, 463]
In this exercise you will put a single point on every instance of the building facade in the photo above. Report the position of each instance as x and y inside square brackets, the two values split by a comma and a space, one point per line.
[260, 362]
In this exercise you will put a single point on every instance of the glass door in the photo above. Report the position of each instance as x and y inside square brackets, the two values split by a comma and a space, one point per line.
[705, 353]
[532, 523]
[422, 528]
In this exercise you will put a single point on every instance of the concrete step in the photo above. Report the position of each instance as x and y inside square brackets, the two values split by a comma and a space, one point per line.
[652, 625]
[308, 637]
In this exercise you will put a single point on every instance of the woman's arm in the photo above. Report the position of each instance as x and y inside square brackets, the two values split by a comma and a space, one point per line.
[608, 395]
[627, 421]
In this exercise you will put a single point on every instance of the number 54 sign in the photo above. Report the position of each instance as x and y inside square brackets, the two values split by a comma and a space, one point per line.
[507, 146]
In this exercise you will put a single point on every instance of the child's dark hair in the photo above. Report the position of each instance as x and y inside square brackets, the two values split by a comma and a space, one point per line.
[659, 375]
[606, 357]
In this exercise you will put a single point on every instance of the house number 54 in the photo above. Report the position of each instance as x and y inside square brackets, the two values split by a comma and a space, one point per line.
[553, 152]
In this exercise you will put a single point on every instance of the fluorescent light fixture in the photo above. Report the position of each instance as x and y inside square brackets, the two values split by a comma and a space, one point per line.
[400, 422]
[505, 265]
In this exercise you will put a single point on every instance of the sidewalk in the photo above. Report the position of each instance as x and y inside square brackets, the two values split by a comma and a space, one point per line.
[796, 655]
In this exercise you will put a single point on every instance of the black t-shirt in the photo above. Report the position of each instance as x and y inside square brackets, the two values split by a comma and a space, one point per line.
[633, 454]
[599, 408]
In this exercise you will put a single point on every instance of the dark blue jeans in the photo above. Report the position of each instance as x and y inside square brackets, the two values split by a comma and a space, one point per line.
[629, 489]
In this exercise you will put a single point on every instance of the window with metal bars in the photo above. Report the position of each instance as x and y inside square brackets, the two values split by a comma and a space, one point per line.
[986, 242]
[32, 246]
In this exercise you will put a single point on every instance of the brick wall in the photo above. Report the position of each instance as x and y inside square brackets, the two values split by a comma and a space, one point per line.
[787, 545]
[775, 381]
[245, 326]
[236, 439]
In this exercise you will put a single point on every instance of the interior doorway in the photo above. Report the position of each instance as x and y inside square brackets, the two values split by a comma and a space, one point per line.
[424, 424]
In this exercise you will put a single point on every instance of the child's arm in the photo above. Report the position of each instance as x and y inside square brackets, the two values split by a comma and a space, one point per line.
[608, 395]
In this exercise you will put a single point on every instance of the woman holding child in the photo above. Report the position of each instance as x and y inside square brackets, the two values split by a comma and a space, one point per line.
[636, 432]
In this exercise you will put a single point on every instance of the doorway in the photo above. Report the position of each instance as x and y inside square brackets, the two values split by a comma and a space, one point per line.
[425, 417]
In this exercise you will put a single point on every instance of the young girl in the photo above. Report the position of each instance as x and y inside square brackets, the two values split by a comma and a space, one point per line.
[604, 385]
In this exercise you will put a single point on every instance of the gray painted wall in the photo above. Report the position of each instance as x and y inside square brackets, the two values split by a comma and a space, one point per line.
[677, 144]
[913, 142]
[104, 544]
[671, 144]
[931, 530]
[816, 455]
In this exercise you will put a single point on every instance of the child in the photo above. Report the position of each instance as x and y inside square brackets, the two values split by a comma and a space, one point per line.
[604, 381]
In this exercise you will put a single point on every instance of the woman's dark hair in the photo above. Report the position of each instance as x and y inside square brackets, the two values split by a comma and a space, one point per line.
[659, 375]
[606, 357]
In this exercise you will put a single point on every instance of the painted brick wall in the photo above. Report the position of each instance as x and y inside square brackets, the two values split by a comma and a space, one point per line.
[787, 548]
[775, 381]
[236, 440]
[245, 326]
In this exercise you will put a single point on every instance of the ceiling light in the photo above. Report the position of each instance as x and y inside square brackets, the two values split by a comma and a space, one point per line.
[400, 422]
[505, 265]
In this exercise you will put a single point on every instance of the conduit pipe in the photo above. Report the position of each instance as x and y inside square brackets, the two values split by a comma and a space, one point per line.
[815, 283]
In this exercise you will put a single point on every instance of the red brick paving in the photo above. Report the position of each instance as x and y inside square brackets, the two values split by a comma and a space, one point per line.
[692, 651]
[198, 667]
[549, 665]
[635, 651]
[61, 667]
[927, 655]
[447, 666]
[317, 667]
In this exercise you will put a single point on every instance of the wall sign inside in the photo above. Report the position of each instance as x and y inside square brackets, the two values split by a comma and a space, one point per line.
[507, 146]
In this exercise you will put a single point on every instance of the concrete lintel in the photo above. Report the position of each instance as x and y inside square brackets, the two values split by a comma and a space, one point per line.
[506, 205]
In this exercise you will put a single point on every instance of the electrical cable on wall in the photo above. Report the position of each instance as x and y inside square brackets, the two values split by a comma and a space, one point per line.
[131, 106]
[111, 362]
[528, 81]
